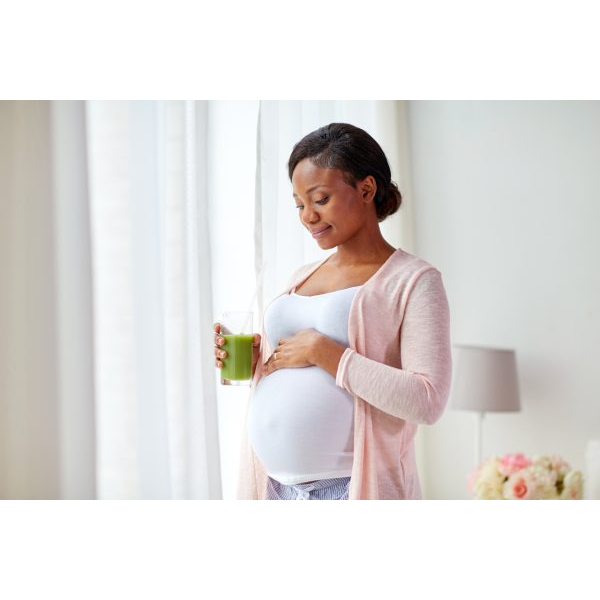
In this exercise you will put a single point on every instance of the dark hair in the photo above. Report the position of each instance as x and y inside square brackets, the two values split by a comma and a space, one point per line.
[354, 152]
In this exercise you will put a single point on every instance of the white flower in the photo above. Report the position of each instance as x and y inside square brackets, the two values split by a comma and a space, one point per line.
[573, 486]
[488, 485]
[545, 483]
[542, 461]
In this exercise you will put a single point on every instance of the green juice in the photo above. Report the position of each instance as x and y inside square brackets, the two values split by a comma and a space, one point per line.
[237, 365]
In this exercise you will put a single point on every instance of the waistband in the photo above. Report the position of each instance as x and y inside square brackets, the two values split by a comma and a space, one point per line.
[302, 491]
[319, 484]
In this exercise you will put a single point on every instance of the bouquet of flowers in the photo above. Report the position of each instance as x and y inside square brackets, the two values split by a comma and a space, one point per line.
[516, 477]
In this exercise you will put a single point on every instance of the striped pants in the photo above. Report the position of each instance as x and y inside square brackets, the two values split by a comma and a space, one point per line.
[323, 489]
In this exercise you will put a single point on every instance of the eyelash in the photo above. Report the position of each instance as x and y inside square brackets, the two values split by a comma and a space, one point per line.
[318, 202]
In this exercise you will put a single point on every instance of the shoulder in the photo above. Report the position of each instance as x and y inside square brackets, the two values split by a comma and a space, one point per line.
[411, 277]
[418, 283]
[408, 267]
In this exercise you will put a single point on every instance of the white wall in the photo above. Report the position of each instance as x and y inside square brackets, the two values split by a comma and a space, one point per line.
[506, 206]
[46, 396]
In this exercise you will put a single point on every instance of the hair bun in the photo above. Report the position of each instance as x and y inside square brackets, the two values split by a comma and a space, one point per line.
[390, 203]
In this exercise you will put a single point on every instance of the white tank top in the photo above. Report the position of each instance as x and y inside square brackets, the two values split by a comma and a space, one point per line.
[301, 424]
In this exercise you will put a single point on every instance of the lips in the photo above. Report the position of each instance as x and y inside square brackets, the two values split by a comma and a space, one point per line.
[317, 232]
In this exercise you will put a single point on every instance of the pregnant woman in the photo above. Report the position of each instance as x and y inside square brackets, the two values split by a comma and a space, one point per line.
[355, 351]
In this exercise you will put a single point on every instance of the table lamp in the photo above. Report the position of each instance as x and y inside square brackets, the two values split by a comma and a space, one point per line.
[485, 380]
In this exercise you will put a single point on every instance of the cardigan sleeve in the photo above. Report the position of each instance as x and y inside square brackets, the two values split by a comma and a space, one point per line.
[419, 390]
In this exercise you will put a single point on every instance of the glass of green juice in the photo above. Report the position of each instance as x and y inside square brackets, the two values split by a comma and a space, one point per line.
[236, 330]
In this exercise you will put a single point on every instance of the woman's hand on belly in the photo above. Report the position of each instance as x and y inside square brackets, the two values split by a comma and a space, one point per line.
[294, 352]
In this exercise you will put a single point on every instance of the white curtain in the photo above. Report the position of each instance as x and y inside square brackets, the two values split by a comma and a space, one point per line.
[127, 227]
[172, 195]
[156, 399]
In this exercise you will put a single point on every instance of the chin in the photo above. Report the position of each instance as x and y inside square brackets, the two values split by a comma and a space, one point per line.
[326, 244]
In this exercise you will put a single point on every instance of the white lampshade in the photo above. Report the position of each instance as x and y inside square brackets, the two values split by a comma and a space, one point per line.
[485, 380]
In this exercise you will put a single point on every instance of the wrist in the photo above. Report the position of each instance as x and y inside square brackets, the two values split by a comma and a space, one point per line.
[327, 354]
[316, 349]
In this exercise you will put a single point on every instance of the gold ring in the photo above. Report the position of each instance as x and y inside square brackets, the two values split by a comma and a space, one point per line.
[274, 355]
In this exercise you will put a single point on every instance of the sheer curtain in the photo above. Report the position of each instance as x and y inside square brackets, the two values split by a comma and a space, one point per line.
[172, 196]
[155, 393]
[126, 228]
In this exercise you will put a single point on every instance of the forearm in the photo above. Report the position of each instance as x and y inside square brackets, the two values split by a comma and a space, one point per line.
[327, 354]
[404, 394]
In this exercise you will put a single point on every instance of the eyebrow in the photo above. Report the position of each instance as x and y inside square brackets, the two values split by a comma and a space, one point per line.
[312, 189]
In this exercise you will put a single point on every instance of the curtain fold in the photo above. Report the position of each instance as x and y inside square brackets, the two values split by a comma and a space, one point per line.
[74, 293]
[204, 435]
[157, 413]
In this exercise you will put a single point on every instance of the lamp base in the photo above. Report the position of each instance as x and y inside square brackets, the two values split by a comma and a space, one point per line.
[478, 438]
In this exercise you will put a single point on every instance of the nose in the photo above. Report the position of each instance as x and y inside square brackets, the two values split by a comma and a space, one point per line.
[310, 216]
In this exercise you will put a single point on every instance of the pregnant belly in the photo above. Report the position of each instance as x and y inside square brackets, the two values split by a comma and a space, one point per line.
[301, 422]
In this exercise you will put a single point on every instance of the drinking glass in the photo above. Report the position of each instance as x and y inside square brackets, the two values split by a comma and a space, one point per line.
[236, 330]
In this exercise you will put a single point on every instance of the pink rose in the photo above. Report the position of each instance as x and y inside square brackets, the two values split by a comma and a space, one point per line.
[511, 463]
[519, 486]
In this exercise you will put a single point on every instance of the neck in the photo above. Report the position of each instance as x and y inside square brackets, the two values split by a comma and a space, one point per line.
[345, 257]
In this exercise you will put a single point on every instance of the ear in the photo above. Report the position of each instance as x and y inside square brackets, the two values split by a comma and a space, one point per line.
[368, 188]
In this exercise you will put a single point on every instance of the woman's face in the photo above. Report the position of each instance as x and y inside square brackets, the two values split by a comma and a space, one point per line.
[324, 200]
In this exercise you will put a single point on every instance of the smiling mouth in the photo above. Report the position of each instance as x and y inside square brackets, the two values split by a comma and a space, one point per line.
[321, 232]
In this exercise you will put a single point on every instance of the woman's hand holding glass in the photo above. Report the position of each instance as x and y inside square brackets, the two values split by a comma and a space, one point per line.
[221, 352]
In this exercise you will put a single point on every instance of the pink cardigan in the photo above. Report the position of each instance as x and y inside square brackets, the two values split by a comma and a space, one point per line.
[398, 368]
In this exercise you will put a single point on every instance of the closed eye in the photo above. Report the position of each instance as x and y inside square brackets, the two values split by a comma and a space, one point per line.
[318, 202]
